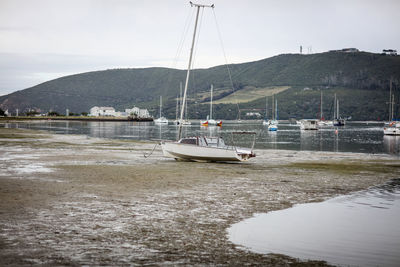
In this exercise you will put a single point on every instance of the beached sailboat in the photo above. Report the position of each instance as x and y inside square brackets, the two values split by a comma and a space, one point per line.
[161, 119]
[210, 121]
[202, 148]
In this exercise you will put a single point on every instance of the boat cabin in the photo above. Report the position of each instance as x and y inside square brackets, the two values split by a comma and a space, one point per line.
[204, 141]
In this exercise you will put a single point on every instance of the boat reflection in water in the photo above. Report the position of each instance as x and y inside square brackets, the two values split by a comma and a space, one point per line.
[392, 144]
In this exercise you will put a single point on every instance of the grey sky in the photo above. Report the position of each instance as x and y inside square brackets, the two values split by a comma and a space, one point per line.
[46, 39]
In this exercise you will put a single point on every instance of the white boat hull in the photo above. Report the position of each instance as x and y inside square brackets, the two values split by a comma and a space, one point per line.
[189, 152]
[391, 131]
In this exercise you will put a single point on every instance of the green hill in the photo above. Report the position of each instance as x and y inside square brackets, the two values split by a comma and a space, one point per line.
[361, 81]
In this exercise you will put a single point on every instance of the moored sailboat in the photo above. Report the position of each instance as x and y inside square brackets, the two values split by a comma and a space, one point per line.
[161, 119]
[210, 121]
[393, 127]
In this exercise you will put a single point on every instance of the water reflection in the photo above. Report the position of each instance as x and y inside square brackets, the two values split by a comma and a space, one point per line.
[354, 137]
[392, 144]
[360, 229]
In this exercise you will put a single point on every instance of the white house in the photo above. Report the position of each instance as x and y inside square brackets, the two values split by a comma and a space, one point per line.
[132, 111]
[141, 113]
[110, 111]
[102, 111]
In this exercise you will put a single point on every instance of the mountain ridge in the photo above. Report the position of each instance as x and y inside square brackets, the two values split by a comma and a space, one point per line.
[124, 88]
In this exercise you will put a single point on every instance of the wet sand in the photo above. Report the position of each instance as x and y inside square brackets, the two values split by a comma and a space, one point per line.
[75, 200]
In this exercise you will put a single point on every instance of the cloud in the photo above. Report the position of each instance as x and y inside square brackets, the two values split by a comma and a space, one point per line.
[44, 38]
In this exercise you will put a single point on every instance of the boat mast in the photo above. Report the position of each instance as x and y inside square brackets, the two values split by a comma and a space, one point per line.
[321, 115]
[211, 101]
[273, 108]
[160, 105]
[176, 109]
[334, 108]
[390, 102]
[190, 63]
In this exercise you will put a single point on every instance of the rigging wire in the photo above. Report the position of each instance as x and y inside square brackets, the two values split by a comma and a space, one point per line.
[183, 37]
[226, 60]
[148, 155]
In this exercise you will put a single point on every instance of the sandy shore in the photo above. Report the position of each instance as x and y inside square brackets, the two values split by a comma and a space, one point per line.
[75, 200]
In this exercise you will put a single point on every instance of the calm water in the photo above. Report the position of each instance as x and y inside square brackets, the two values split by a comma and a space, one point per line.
[355, 230]
[354, 137]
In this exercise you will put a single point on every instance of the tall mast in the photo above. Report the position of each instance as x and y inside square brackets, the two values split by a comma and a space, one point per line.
[390, 102]
[334, 108]
[190, 63]
[180, 95]
[273, 109]
[160, 104]
[321, 115]
[212, 87]
[176, 109]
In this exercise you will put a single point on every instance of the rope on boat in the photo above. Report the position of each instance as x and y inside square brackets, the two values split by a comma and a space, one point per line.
[154, 148]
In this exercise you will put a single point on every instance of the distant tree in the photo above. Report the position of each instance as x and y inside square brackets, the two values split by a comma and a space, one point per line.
[2, 113]
[32, 113]
[53, 113]
[84, 113]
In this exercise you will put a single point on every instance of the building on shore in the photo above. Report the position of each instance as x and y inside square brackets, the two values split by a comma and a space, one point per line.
[110, 112]
[390, 52]
[102, 111]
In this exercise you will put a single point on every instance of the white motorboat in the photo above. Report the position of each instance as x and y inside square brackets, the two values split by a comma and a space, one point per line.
[310, 124]
[392, 129]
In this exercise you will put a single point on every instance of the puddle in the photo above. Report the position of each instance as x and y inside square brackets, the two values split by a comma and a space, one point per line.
[355, 230]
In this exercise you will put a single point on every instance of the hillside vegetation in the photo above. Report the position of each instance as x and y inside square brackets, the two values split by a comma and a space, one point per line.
[361, 81]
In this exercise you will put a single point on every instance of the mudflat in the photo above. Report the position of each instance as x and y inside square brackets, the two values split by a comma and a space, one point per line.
[76, 200]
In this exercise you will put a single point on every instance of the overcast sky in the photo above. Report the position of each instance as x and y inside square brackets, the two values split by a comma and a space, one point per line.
[42, 40]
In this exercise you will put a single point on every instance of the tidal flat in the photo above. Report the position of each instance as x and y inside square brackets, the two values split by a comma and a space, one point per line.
[77, 200]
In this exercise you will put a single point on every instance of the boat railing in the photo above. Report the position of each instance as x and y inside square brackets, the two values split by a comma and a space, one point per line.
[244, 133]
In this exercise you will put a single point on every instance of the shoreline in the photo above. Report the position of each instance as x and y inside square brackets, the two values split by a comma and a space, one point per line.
[76, 200]
[72, 118]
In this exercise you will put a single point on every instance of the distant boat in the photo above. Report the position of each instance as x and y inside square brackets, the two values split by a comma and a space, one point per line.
[273, 123]
[272, 128]
[322, 122]
[210, 121]
[161, 119]
[393, 127]
[177, 120]
[337, 120]
[202, 148]
[311, 124]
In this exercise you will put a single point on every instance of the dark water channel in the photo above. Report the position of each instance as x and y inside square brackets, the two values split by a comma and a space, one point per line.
[362, 229]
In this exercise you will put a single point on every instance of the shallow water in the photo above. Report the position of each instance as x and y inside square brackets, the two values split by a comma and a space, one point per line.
[354, 137]
[361, 229]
